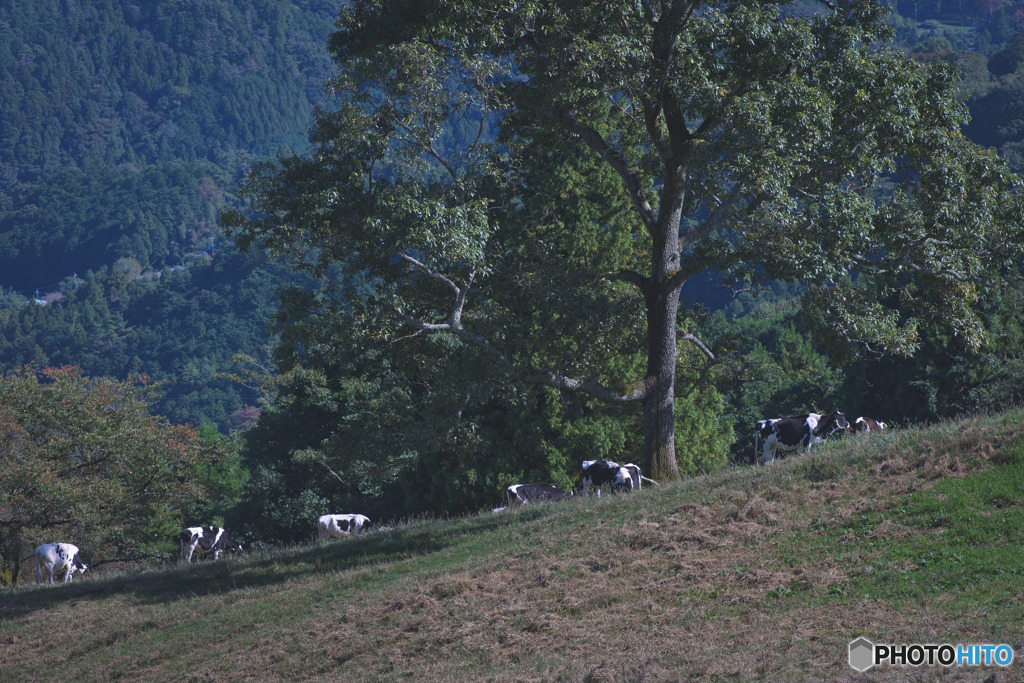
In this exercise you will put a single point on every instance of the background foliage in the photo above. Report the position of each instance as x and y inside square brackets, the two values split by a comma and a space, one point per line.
[122, 126]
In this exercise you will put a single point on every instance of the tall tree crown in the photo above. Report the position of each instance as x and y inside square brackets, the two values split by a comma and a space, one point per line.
[539, 180]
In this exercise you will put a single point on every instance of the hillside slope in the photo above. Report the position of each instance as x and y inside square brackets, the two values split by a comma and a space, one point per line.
[910, 536]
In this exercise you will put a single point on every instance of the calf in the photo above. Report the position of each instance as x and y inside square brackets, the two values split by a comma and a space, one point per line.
[207, 539]
[521, 494]
[601, 473]
[62, 558]
[864, 425]
[342, 525]
[790, 433]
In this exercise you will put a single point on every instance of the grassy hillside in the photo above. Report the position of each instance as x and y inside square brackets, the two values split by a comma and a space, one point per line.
[910, 536]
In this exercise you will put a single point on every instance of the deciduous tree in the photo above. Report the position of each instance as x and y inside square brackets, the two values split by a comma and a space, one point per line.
[83, 461]
[635, 145]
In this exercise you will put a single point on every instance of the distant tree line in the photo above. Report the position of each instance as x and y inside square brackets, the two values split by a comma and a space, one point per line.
[179, 327]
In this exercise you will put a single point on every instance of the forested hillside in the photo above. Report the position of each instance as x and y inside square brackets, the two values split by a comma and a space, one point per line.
[123, 128]
[181, 327]
[123, 125]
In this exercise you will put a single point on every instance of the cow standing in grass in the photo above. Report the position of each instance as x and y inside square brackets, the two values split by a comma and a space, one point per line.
[339, 526]
[58, 558]
[790, 433]
[602, 473]
[198, 539]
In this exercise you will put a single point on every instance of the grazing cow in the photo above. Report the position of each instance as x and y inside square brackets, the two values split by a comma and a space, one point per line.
[864, 425]
[521, 494]
[790, 433]
[342, 525]
[60, 558]
[601, 473]
[636, 479]
[207, 539]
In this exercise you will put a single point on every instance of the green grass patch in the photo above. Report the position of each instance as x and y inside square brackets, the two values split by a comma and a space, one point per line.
[960, 539]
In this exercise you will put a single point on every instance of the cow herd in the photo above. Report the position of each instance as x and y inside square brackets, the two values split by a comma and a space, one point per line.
[804, 431]
[596, 474]
[780, 433]
[63, 559]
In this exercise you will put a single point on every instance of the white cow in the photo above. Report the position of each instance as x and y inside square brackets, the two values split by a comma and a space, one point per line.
[342, 525]
[60, 558]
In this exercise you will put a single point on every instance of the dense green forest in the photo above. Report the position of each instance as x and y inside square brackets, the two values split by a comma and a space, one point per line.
[123, 125]
[182, 327]
[125, 128]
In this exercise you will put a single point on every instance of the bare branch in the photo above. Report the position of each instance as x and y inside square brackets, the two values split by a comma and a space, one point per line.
[627, 275]
[693, 339]
[592, 387]
[633, 392]
[430, 272]
[327, 467]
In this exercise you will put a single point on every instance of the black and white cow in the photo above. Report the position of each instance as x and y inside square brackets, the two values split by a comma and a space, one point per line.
[790, 433]
[864, 425]
[59, 558]
[200, 539]
[601, 473]
[521, 494]
[342, 525]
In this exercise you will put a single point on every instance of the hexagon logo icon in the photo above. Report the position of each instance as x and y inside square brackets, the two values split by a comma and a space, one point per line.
[862, 653]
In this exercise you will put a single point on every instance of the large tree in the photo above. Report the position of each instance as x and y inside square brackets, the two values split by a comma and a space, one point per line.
[536, 181]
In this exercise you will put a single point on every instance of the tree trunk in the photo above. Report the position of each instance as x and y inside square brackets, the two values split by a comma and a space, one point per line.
[661, 298]
[10, 556]
[659, 403]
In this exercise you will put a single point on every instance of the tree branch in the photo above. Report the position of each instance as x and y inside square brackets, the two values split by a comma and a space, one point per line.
[430, 272]
[890, 266]
[594, 141]
[633, 392]
[327, 467]
[714, 221]
[627, 275]
[693, 339]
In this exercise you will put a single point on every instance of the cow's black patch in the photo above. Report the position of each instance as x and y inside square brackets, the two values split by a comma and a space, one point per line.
[529, 493]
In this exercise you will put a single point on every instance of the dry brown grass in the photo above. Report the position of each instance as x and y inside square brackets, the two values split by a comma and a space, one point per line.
[688, 582]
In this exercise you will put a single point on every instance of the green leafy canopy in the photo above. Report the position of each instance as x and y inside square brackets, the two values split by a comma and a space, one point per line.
[537, 180]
